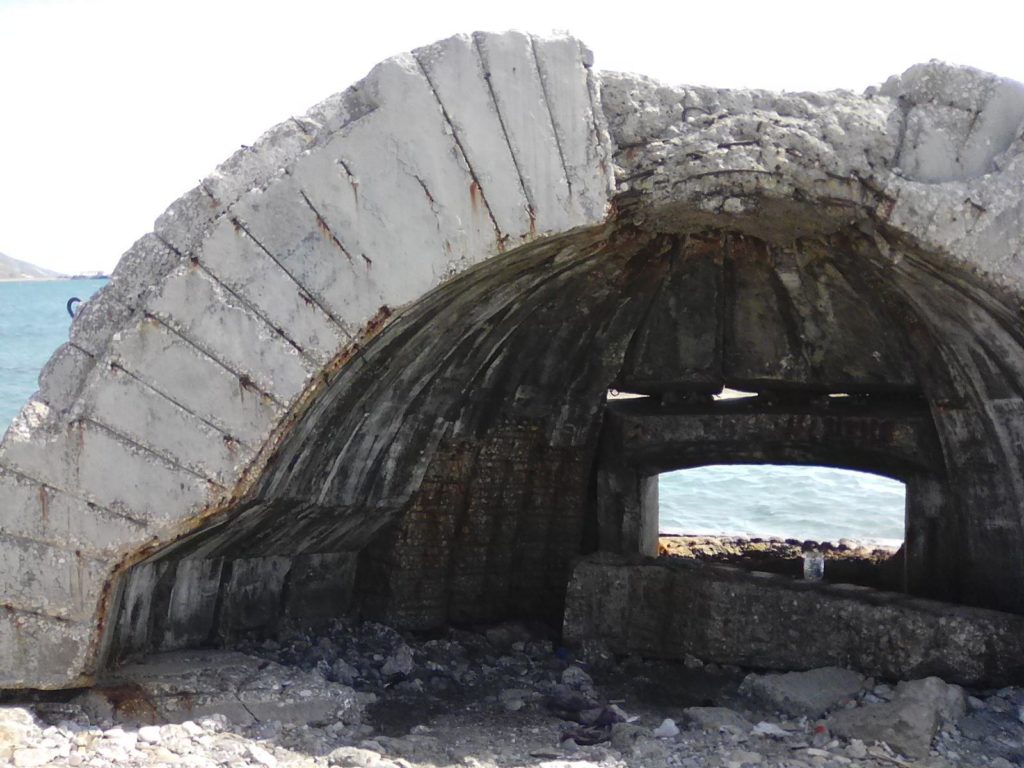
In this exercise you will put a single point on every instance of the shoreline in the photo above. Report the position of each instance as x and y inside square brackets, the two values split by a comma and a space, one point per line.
[848, 561]
[51, 279]
[841, 544]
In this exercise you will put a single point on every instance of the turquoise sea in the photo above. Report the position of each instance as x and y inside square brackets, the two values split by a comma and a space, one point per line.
[33, 323]
[799, 502]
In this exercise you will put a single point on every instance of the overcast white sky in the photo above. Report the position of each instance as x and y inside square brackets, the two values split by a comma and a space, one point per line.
[110, 109]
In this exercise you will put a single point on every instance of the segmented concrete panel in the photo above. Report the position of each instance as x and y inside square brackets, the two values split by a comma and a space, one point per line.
[171, 366]
[40, 513]
[219, 329]
[181, 370]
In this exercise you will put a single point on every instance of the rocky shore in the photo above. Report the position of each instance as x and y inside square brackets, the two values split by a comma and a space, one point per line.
[846, 561]
[366, 696]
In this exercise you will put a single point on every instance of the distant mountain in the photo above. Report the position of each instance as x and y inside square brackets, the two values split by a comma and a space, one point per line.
[13, 269]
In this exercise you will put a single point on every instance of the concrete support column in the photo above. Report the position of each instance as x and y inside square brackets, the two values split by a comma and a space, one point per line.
[931, 545]
[623, 508]
[650, 516]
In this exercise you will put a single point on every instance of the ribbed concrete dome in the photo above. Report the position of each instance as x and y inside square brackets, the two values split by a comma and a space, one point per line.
[363, 367]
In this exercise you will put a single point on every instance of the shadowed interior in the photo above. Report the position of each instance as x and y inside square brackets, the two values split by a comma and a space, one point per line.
[454, 468]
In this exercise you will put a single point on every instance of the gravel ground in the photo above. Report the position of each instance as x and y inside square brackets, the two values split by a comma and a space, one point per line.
[364, 695]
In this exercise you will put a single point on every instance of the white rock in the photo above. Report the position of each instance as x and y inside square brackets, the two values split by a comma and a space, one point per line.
[261, 756]
[765, 728]
[15, 731]
[667, 729]
[215, 722]
[32, 756]
[857, 750]
[172, 731]
[18, 715]
[354, 757]
[112, 751]
[163, 755]
[124, 739]
[150, 734]
[192, 729]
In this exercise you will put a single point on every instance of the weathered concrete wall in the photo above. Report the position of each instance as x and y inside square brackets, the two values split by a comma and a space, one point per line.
[672, 608]
[181, 375]
[245, 408]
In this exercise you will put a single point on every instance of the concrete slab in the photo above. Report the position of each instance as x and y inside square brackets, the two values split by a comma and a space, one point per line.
[188, 685]
[671, 608]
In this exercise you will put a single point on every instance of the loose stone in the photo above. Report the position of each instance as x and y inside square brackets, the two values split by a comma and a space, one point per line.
[667, 729]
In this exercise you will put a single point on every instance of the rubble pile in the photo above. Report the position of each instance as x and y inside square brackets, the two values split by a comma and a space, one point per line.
[362, 695]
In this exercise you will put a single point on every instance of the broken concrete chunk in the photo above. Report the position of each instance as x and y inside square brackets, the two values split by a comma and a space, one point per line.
[181, 687]
[717, 719]
[400, 663]
[576, 678]
[909, 722]
[809, 694]
[949, 701]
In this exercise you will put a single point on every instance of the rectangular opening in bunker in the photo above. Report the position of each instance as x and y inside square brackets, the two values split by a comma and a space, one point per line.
[821, 504]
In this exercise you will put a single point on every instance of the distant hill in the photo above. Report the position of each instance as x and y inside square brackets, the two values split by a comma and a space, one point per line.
[13, 269]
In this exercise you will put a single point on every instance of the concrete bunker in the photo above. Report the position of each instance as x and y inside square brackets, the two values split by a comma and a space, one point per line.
[455, 472]
[406, 310]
